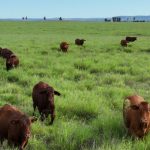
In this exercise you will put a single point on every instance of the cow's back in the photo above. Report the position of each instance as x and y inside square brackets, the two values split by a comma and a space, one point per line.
[40, 100]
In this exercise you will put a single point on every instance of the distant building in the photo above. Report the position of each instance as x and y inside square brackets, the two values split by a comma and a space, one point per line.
[116, 19]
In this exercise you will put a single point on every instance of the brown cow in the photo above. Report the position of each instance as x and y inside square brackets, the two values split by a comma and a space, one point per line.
[124, 43]
[64, 46]
[79, 42]
[131, 39]
[12, 61]
[5, 52]
[14, 126]
[43, 99]
[136, 114]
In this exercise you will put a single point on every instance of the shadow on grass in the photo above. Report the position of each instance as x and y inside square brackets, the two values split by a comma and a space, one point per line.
[55, 49]
[146, 50]
[78, 114]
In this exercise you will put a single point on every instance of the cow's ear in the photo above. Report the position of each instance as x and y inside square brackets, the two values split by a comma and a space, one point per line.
[33, 119]
[134, 107]
[16, 121]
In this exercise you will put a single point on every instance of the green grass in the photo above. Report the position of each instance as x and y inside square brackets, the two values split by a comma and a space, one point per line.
[93, 80]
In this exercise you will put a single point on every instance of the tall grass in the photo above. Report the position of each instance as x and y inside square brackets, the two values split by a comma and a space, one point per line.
[93, 80]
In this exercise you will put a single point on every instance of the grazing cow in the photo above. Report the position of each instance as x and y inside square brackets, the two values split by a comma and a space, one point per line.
[124, 43]
[43, 99]
[136, 114]
[12, 61]
[5, 53]
[14, 126]
[64, 46]
[79, 42]
[131, 39]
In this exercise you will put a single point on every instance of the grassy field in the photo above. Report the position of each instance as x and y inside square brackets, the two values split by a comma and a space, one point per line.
[93, 81]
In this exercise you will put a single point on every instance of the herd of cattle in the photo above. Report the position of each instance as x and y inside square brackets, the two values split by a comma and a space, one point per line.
[15, 125]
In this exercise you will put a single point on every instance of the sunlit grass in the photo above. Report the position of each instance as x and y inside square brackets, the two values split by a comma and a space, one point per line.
[93, 80]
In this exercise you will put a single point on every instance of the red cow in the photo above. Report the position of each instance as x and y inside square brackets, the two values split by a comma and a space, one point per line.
[5, 53]
[12, 61]
[64, 46]
[136, 114]
[79, 42]
[14, 126]
[43, 99]
[123, 43]
[131, 39]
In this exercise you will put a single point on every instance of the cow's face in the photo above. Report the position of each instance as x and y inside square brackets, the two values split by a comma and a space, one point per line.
[144, 115]
[66, 46]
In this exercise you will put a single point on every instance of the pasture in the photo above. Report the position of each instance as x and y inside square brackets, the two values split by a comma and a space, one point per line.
[93, 80]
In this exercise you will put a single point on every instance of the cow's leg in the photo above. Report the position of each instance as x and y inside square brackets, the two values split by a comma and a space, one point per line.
[42, 116]
[52, 112]
[34, 107]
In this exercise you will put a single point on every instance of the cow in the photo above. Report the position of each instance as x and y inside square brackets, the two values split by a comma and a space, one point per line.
[43, 99]
[124, 43]
[64, 46]
[5, 53]
[15, 126]
[131, 39]
[136, 114]
[12, 62]
[79, 42]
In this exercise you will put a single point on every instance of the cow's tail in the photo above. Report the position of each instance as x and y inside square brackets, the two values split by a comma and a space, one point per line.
[57, 93]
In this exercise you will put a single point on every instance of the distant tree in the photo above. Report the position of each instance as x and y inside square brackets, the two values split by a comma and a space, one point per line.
[26, 18]
[133, 19]
[60, 18]
[44, 18]
[22, 18]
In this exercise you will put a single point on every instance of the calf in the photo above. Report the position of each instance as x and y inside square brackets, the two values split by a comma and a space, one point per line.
[14, 126]
[124, 43]
[131, 39]
[12, 61]
[5, 53]
[43, 99]
[64, 46]
[136, 114]
[79, 42]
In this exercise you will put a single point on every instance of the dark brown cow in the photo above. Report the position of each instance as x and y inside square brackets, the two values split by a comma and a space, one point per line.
[12, 61]
[64, 46]
[43, 99]
[14, 126]
[124, 43]
[136, 114]
[79, 42]
[131, 39]
[5, 53]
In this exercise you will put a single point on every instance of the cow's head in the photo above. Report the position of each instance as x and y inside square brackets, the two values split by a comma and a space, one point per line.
[144, 114]
[21, 129]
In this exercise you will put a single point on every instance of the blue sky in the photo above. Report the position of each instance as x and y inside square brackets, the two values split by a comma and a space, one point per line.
[72, 8]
